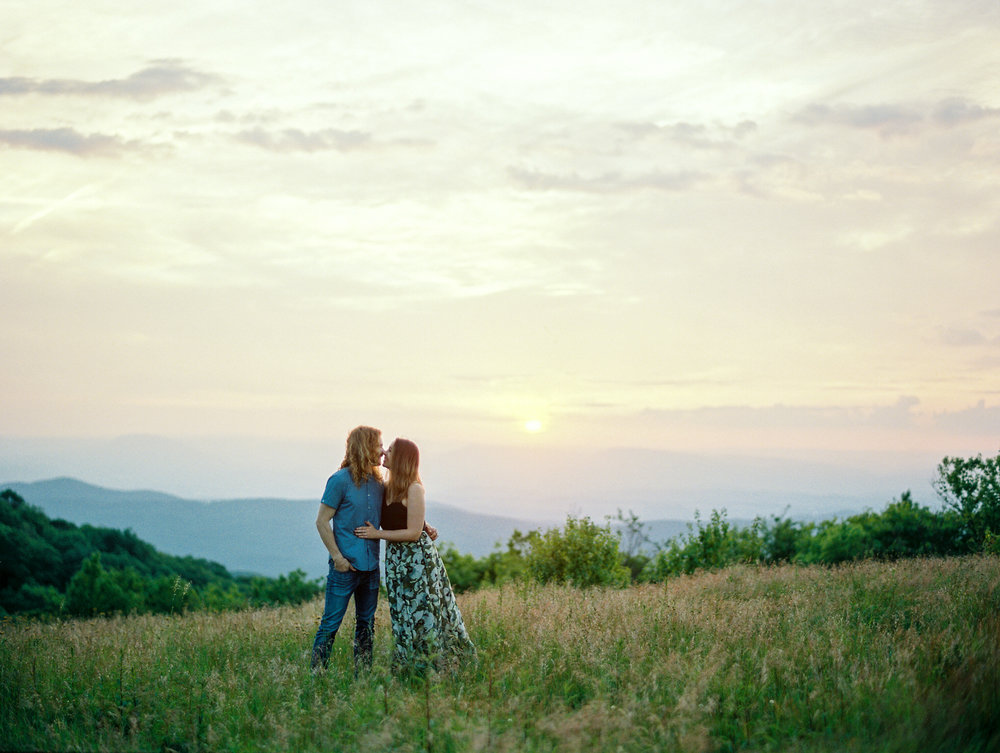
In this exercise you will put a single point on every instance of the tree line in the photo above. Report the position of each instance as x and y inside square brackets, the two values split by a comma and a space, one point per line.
[584, 553]
[53, 567]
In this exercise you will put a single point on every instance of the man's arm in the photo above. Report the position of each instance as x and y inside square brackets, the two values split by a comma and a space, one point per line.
[323, 519]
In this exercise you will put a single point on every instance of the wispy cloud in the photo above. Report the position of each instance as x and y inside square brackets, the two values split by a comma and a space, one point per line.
[161, 77]
[882, 117]
[696, 135]
[963, 337]
[605, 183]
[55, 206]
[956, 111]
[894, 118]
[980, 419]
[67, 140]
[903, 415]
[296, 140]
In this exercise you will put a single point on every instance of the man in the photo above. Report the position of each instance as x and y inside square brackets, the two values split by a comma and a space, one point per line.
[353, 495]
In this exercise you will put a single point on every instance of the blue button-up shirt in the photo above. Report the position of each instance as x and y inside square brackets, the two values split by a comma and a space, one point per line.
[354, 506]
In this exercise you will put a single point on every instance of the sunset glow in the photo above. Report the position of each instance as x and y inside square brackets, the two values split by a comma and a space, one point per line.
[680, 226]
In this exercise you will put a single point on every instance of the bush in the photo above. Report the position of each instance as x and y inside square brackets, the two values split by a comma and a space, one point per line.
[581, 554]
[970, 488]
[906, 529]
[95, 590]
[293, 588]
[31, 600]
[464, 571]
[708, 546]
[837, 542]
[783, 539]
[166, 595]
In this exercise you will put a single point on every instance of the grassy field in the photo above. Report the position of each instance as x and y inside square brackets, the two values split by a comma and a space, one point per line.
[870, 657]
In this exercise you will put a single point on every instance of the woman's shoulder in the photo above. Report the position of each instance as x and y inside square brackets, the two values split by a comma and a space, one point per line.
[416, 490]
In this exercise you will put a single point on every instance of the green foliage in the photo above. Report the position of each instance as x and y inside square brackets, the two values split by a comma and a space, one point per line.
[40, 558]
[581, 554]
[49, 567]
[707, 546]
[285, 589]
[94, 590]
[903, 529]
[510, 564]
[31, 599]
[464, 571]
[632, 535]
[783, 539]
[836, 542]
[970, 487]
[991, 545]
[501, 566]
[166, 595]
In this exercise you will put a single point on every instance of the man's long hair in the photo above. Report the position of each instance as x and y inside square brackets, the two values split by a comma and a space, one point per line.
[362, 455]
[404, 470]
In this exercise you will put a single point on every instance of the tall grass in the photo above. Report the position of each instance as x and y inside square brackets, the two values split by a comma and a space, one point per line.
[893, 657]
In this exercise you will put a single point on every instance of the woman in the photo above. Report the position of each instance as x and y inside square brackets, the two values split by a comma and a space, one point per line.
[426, 624]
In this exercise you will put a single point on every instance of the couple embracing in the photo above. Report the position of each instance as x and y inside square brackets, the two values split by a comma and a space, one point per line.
[359, 509]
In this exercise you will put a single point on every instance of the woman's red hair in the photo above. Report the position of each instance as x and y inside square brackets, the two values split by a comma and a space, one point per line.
[404, 470]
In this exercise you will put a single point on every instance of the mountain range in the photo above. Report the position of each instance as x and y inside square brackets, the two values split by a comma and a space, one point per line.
[267, 536]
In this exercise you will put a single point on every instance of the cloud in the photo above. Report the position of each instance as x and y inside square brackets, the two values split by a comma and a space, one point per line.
[955, 111]
[67, 140]
[606, 183]
[903, 416]
[884, 118]
[160, 78]
[295, 140]
[962, 337]
[899, 415]
[696, 135]
[978, 419]
[54, 207]
[895, 118]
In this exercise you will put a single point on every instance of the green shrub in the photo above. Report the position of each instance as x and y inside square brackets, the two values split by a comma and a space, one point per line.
[94, 590]
[707, 546]
[970, 488]
[580, 554]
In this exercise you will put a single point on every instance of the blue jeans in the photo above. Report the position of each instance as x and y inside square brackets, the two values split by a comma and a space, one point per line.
[339, 589]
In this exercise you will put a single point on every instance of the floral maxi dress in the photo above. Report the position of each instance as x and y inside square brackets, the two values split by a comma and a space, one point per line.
[427, 626]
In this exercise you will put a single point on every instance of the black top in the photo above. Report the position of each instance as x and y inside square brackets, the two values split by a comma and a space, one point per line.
[393, 516]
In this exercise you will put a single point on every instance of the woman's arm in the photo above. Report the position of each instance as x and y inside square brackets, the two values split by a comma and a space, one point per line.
[414, 520]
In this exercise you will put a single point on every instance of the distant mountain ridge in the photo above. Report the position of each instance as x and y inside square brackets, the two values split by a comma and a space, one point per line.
[272, 536]
[268, 536]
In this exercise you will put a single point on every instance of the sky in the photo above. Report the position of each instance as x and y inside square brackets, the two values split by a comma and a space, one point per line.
[745, 229]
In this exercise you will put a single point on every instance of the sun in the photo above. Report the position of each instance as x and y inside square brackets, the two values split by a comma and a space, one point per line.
[533, 426]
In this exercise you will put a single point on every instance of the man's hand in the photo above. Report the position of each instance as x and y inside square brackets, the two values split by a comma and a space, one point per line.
[431, 531]
[323, 518]
[341, 565]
